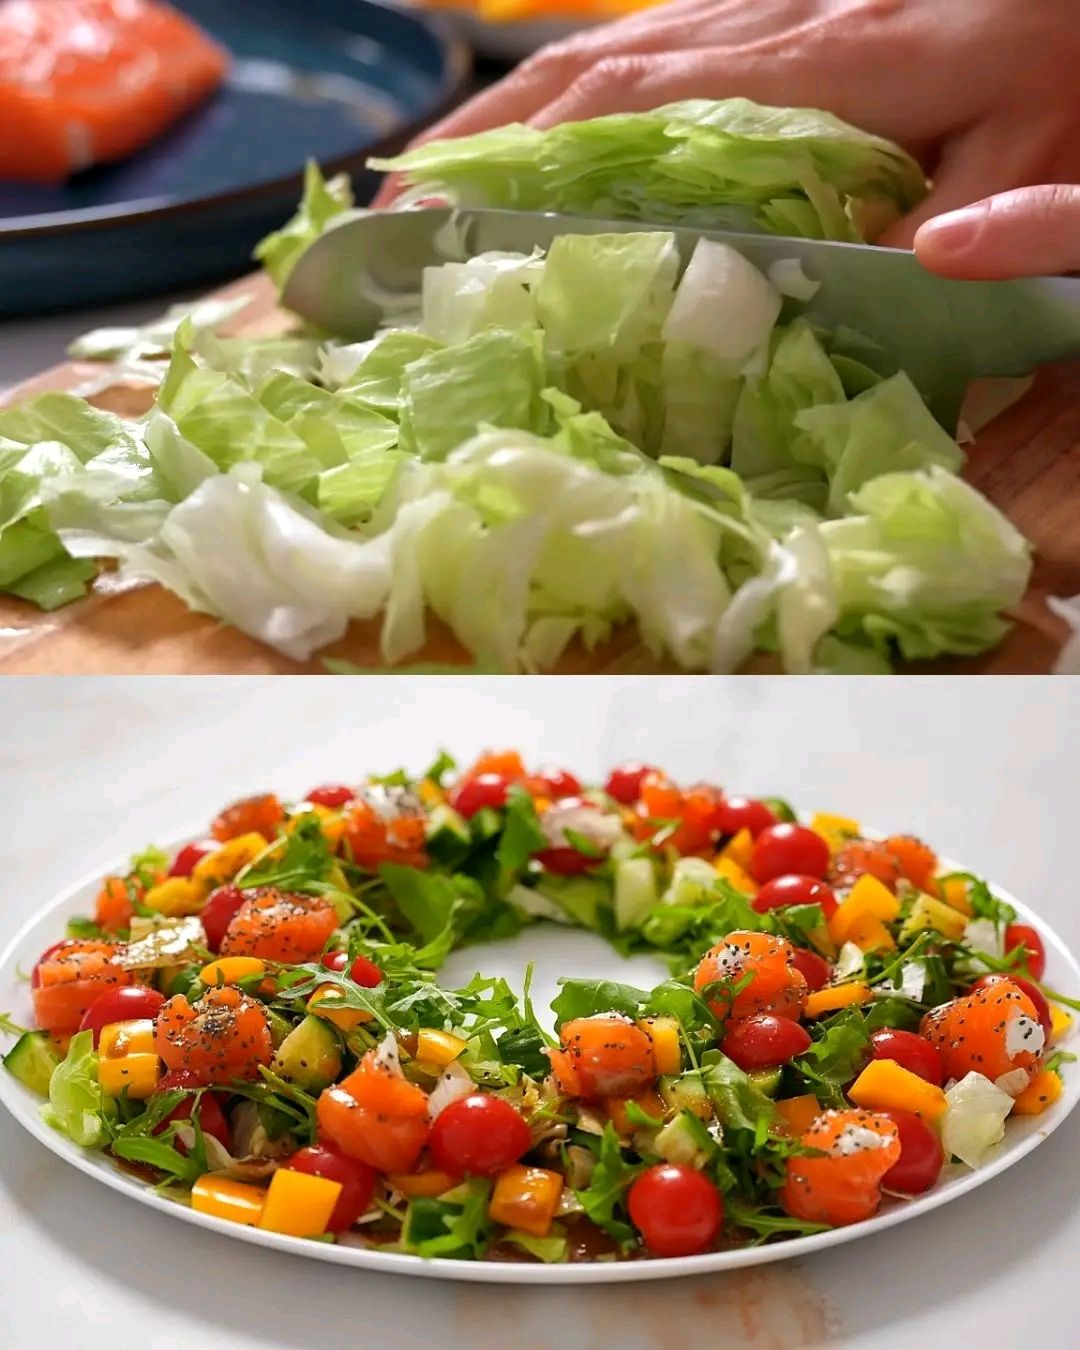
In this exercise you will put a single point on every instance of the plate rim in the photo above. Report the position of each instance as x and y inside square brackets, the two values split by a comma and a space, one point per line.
[458, 63]
[24, 1106]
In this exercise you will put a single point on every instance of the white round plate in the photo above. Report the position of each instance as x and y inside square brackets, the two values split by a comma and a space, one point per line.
[555, 953]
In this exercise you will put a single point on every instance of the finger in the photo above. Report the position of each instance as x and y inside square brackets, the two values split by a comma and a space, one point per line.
[1031, 231]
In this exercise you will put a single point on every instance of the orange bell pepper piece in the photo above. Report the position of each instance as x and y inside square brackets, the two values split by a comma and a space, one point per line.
[526, 1198]
[1043, 1091]
[885, 1085]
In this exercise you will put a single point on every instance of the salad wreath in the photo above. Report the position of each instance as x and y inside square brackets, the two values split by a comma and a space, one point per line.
[253, 1023]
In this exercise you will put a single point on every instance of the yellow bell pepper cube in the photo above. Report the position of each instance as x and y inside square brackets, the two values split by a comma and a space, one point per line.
[885, 1085]
[227, 1199]
[954, 892]
[663, 1032]
[835, 830]
[739, 849]
[230, 970]
[438, 1047]
[867, 899]
[741, 880]
[430, 793]
[1043, 1091]
[332, 823]
[299, 1204]
[177, 896]
[871, 935]
[930, 913]
[1060, 1023]
[428, 1184]
[138, 1073]
[224, 863]
[135, 1037]
[345, 1019]
[795, 1115]
[836, 996]
[526, 1198]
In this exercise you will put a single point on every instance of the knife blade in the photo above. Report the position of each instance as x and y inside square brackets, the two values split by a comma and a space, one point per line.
[943, 333]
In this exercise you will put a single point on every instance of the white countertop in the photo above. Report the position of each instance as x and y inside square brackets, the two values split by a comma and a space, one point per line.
[90, 768]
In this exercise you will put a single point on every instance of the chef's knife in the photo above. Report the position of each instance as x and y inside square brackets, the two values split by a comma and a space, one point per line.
[942, 333]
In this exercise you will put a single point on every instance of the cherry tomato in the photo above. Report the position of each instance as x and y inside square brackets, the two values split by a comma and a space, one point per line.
[910, 1051]
[676, 1210]
[479, 1134]
[624, 783]
[565, 862]
[793, 889]
[331, 795]
[1033, 992]
[921, 1155]
[783, 849]
[473, 794]
[211, 1117]
[363, 971]
[218, 912]
[744, 813]
[1023, 935]
[357, 1181]
[121, 1005]
[184, 863]
[555, 783]
[764, 1041]
[814, 969]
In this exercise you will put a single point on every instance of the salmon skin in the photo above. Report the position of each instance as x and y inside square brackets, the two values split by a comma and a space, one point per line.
[87, 82]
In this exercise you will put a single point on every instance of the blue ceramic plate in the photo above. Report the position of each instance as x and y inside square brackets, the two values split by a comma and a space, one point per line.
[331, 80]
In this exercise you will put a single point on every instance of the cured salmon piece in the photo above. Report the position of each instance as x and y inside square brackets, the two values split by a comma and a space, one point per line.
[278, 926]
[776, 985]
[841, 1182]
[91, 81]
[224, 1036]
[69, 977]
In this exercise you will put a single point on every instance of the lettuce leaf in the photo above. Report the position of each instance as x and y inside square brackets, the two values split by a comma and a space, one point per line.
[76, 1105]
[322, 202]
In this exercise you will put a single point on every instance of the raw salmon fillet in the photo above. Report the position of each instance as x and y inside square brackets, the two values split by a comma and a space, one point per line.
[90, 81]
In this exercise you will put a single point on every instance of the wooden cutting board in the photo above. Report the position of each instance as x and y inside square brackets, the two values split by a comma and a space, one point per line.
[1027, 462]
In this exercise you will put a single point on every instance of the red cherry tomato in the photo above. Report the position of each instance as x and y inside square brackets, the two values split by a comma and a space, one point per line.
[624, 783]
[184, 863]
[211, 1117]
[331, 795]
[357, 1181]
[218, 912]
[555, 783]
[363, 971]
[744, 813]
[121, 1005]
[479, 1134]
[565, 862]
[784, 849]
[1023, 935]
[676, 1210]
[473, 794]
[793, 889]
[814, 969]
[1042, 1007]
[921, 1155]
[764, 1041]
[910, 1051]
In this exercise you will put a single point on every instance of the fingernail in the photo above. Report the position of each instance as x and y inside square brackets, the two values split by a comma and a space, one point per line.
[959, 231]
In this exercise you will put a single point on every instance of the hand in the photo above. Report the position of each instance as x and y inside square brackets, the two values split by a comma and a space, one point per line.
[984, 92]
[1031, 232]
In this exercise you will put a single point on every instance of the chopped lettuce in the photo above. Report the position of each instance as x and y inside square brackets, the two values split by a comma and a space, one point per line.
[322, 201]
[75, 1106]
[728, 164]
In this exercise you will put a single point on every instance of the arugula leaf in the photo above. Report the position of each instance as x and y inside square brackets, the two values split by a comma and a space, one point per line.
[163, 1156]
[584, 899]
[296, 861]
[780, 809]
[551, 1249]
[9, 1027]
[836, 1057]
[611, 1178]
[521, 838]
[148, 865]
[429, 901]
[80, 927]
[768, 1222]
[983, 901]
[441, 1228]
[583, 998]
[674, 999]
[892, 1012]
[739, 1104]
[444, 763]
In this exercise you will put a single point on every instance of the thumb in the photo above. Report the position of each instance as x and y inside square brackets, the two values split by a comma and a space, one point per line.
[1028, 232]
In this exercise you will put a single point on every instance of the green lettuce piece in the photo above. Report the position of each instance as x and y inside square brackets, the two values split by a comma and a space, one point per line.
[25, 546]
[372, 373]
[727, 164]
[491, 290]
[321, 203]
[349, 493]
[55, 583]
[493, 379]
[76, 1106]
[925, 566]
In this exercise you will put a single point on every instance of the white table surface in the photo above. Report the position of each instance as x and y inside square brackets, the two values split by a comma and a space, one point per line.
[985, 769]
